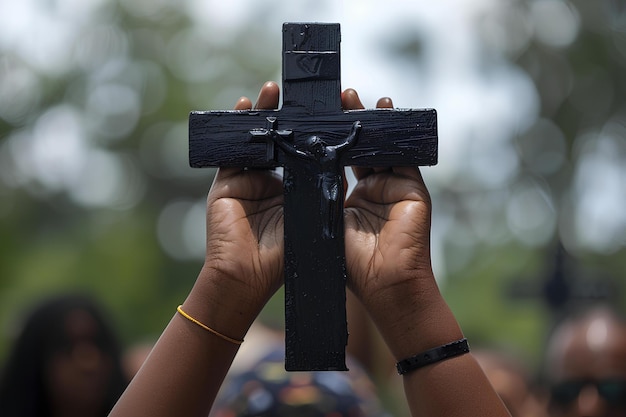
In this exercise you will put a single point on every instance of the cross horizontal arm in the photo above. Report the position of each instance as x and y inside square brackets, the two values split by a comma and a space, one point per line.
[388, 137]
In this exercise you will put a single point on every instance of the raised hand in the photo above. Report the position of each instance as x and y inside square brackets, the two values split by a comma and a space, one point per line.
[387, 233]
[245, 222]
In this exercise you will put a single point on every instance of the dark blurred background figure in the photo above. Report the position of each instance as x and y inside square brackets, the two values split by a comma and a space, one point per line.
[512, 380]
[586, 364]
[65, 362]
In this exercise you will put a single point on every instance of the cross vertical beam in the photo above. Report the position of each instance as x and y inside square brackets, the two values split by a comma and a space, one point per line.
[315, 286]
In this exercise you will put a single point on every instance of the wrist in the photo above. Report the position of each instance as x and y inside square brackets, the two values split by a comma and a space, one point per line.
[222, 304]
[419, 320]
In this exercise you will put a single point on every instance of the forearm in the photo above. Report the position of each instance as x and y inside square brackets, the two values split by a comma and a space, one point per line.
[452, 387]
[186, 367]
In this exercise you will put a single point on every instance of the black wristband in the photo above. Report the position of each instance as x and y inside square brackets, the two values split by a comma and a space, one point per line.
[433, 355]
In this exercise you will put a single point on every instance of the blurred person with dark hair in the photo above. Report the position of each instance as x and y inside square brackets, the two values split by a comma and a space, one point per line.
[66, 362]
[586, 365]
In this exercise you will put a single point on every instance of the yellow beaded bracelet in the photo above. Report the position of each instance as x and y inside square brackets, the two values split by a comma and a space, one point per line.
[207, 328]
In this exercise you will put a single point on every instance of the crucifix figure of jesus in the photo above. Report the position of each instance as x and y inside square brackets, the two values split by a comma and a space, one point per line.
[330, 174]
[313, 139]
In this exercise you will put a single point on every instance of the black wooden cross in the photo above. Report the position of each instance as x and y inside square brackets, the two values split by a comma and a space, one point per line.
[313, 139]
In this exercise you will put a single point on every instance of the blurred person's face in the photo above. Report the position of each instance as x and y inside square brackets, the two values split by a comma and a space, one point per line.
[77, 375]
[588, 370]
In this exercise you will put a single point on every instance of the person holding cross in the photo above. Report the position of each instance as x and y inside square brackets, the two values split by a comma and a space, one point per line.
[387, 240]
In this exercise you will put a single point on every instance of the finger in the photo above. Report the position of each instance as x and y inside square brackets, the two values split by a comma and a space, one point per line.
[267, 99]
[384, 103]
[361, 172]
[243, 103]
[345, 185]
[268, 96]
[350, 100]
[409, 172]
